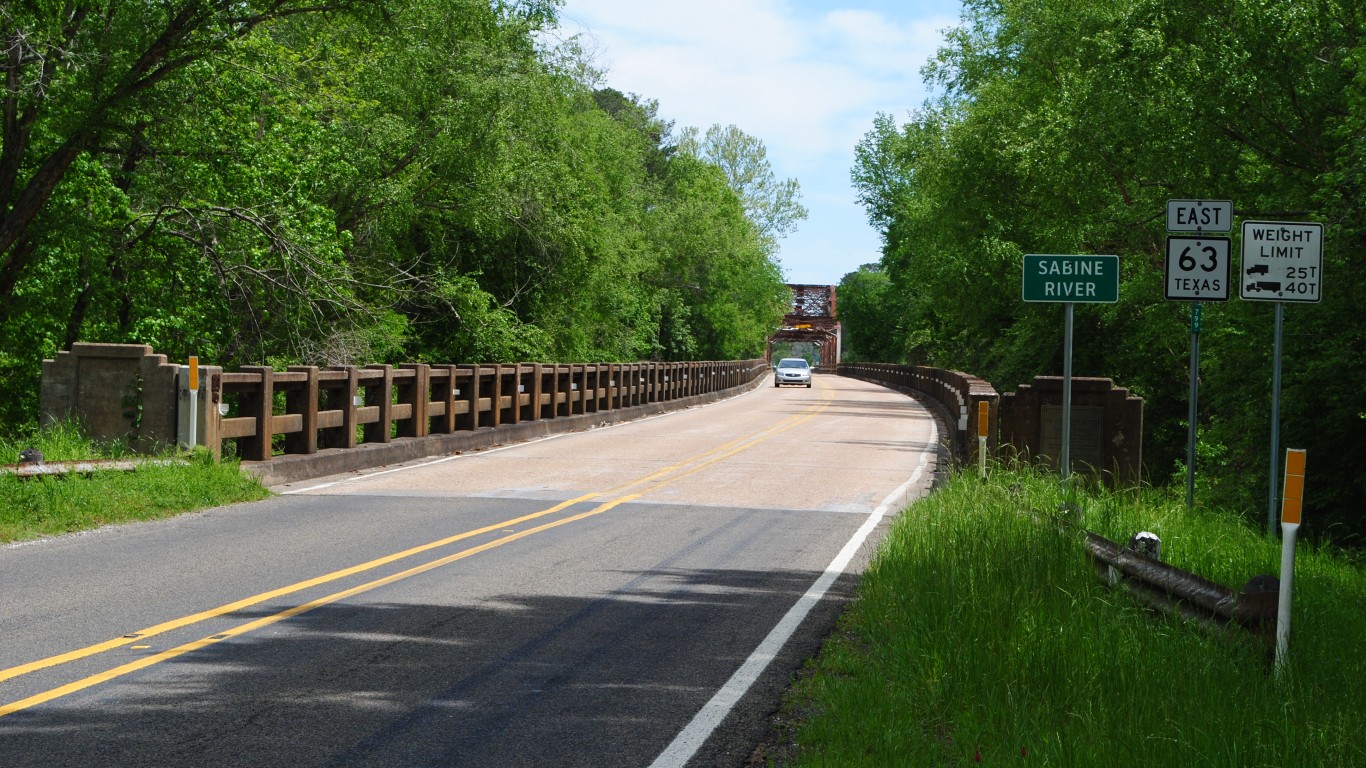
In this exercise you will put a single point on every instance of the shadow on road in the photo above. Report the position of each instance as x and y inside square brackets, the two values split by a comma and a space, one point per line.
[859, 408]
[517, 680]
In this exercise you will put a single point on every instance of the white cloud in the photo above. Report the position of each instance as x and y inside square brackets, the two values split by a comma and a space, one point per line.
[805, 78]
[760, 26]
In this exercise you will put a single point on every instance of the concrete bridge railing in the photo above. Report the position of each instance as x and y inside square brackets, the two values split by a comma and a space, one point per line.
[957, 393]
[1106, 426]
[276, 417]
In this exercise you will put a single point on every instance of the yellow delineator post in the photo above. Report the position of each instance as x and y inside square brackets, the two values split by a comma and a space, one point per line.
[983, 427]
[1292, 502]
[194, 400]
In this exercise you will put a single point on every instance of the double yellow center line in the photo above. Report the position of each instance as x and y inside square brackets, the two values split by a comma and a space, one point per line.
[643, 485]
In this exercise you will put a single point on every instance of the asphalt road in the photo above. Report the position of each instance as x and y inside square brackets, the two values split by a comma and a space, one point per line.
[625, 596]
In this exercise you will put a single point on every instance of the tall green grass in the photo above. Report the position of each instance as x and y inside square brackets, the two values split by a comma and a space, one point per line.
[982, 635]
[52, 505]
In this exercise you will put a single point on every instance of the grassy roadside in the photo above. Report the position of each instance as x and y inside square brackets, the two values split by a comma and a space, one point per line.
[48, 506]
[982, 636]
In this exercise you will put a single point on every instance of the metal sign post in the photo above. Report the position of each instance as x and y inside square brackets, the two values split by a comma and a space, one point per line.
[1282, 262]
[1193, 414]
[1275, 419]
[1065, 460]
[1068, 280]
[1197, 269]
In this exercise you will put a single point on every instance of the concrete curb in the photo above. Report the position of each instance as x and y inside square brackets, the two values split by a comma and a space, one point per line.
[336, 461]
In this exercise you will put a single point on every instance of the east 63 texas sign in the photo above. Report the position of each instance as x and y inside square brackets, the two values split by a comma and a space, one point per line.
[1197, 268]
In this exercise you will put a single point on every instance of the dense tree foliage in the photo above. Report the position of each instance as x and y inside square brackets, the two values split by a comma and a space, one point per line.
[775, 206]
[1064, 126]
[354, 181]
[869, 322]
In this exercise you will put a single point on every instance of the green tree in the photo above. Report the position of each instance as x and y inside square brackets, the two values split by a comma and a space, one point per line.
[1063, 127]
[725, 289]
[774, 206]
[290, 182]
[79, 73]
[868, 317]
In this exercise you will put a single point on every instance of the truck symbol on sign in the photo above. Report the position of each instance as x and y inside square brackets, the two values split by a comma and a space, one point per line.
[1264, 285]
[1258, 269]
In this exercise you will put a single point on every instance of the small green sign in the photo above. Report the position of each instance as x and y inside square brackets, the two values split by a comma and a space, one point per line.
[1080, 279]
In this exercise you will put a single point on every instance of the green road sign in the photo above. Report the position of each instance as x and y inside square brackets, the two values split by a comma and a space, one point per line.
[1081, 279]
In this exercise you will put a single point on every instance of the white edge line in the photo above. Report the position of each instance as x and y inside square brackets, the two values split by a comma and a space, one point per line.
[487, 451]
[707, 719]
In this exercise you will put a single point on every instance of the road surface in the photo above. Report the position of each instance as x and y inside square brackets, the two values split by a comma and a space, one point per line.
[626, 596]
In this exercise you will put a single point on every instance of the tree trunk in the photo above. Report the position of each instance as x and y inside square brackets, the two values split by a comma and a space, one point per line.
[16, 245]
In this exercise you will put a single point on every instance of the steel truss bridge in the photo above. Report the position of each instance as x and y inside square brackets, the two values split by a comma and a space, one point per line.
[812, 320]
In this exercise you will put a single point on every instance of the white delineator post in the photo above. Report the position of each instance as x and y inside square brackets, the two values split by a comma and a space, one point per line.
[1291, 505]
[194, 401]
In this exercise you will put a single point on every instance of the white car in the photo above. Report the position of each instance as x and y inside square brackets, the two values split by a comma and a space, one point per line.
[791, 370]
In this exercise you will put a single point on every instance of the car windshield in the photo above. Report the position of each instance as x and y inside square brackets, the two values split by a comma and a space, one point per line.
[792, 363]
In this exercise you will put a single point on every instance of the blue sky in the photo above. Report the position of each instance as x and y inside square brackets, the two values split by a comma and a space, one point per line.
[805, 77]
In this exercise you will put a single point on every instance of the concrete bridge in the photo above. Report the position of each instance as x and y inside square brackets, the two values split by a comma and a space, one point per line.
[627, 593]
[636, 591]
[309, 421]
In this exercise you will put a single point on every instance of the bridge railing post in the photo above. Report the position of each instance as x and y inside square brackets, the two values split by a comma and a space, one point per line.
[441, 394]
[258, 403]
[303, 400]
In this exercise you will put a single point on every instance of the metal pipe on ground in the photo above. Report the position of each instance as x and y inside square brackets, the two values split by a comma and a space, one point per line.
[1173, 590]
